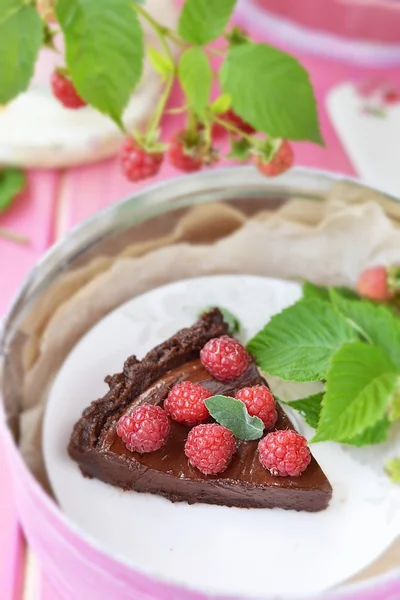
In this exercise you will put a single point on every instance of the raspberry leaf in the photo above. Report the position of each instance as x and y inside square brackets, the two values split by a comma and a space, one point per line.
[377, 434]
[271, 91]
[202, 21]
[298, 343]
[233, 415]
[21, 35]
[393, 469]
[195, 75]
[12, 182]
[160, 62]
[309, 408]
[376, 323]
[104, 51]
[221, 104]
[361, 384]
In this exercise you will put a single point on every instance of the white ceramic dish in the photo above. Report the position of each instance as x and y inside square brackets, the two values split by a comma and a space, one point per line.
[214, 548]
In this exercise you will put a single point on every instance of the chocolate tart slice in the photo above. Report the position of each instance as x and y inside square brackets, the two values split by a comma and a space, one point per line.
[100, 453]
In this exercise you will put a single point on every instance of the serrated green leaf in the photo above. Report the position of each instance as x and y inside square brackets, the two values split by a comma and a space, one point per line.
[221, 104]
[360, 385]
[377, 434]
[393, 469]
[298, 343]
[394, 413]
[195, 75]
[375, 322]
[309, 408]
[21, 35]
[104, 51]
[317, 292]
[271, 91]
[12, 182]
[233, 415]
[160, 62]
[202, 21]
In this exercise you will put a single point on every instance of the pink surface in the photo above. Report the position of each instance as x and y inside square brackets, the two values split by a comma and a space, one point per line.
[53, 203]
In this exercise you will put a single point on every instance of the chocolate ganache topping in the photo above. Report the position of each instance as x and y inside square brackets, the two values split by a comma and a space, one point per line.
[100, 453]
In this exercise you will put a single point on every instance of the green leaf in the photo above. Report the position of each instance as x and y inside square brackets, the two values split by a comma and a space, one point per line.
[12, 182]
[160, 62]
[221, 104]
[271, 91]
[309, 408]
[360, 385]
[202, 21]
[104, 51]
[375, 322]
[297, 344]
[21, 35]
[229, 318]
[377, 434]
[195, 75]
[317, 292]
[393, 469]
[233, 415]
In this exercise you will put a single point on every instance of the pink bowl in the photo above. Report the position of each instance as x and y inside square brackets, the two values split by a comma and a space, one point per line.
[74, 564]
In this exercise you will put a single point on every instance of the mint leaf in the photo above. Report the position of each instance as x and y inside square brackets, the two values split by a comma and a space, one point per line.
[233, 415]
[297, 344]
[376, 323]
[309, 408]
[271, 91]
[361, 382]
[104, 51]
[376, 434]
[393, 469]
[202, 21]
[195, 76]
[12, 182]
[21, 35]
[160, 62]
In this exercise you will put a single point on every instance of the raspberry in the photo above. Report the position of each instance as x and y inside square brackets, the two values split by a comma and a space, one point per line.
[185, 403]
[280, 162]
[234, 119]
[259, 403]
[145, 429]
[210, 448]
[225, 358]
[284, 453]
[182, 156]
[65, 92]
[373, 283]
[136, 162]
[391, 96]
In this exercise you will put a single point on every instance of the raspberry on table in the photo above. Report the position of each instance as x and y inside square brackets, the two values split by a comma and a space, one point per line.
[138, 163]
[284, 453]
[260, 403]
[373, 283]
[64, 90]
[210, 448]
[145, 429]
[225, 358]
[281, 161]
[183, 157]
[185, 403]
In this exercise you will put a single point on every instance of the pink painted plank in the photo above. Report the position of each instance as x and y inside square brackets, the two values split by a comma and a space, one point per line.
[31, 215]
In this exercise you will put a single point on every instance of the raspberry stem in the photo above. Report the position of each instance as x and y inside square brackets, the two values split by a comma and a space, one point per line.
[14, 237]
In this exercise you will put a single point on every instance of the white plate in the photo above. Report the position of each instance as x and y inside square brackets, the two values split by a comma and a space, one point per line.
[213, 548]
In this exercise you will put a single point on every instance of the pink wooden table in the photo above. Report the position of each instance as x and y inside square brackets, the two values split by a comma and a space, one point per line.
[54, 202]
